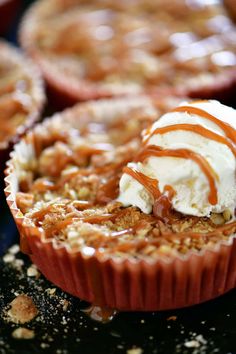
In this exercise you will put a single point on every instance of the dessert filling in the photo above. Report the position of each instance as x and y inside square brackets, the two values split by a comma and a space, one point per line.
[123, 47]
[17, 93]
[131, 180]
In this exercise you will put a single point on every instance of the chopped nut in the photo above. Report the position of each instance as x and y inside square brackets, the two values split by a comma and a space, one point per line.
[51, 291]
[23, 333]
[217, 219]
[8, 258]
[227, 215]
[32, 271]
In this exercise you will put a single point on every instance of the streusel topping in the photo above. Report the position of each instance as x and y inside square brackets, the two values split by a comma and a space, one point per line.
[68, 185]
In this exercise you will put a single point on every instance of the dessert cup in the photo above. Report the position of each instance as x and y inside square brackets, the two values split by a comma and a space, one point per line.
[21, 97]
[80, 241]
[114, 51]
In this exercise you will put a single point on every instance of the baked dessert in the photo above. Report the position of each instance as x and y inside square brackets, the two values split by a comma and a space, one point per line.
[127, 244]
[21, 96]
[8, 11]
[180, 47]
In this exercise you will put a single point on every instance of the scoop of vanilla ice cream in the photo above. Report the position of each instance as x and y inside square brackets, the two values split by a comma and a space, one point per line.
[184, 175]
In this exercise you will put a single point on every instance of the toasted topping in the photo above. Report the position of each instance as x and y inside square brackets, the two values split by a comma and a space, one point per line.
[131, 46]
[21, 95]
[77, 205]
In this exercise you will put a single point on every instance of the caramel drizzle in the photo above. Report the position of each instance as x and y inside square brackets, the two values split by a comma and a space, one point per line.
[151, 184]
[229, 141]
[210, 174]
[162, 202]
[195, 128]
[229, 131]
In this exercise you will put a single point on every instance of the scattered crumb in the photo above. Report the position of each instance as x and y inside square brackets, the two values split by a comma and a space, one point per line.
[8, 258]
[201, 339]
[23, 333]
[51, 291]
[14, 249]
[172, 318]
[44, 345]
[134, 351]
[192, 344]
[22, 309]
[65, 303]
[32, 271]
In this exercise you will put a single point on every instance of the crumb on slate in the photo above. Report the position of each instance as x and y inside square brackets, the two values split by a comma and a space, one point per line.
[23, 333]
[22, 309]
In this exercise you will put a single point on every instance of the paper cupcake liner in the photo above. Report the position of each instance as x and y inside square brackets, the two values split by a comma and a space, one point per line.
[125, 283]
[13, 55]
[8, 11]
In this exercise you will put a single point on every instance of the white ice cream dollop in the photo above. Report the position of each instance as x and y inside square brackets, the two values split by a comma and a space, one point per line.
[187, 178]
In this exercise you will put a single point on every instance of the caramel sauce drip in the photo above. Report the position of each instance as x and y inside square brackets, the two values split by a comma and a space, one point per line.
[100, 314]
[229, 141]
[108, 191]
[151, 184]
[229, 131]
[197, 129]
[162, 202]
[156, 151]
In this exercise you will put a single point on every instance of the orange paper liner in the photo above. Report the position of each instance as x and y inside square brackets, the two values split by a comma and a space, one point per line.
[127, 283]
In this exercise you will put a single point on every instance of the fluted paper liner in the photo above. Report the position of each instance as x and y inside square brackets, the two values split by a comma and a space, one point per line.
[125, 283]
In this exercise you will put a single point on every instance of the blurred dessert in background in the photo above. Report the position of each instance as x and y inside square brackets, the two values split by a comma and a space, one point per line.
[21, 97]
[98, 49]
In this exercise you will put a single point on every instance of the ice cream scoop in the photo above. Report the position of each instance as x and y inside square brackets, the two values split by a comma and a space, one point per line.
[188, 160]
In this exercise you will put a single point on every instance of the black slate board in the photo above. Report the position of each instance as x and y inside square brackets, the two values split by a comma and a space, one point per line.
[208, 328]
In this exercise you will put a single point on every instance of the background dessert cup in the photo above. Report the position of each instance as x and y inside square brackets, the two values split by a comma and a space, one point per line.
[21, 97]
[122, 49]
[122, 274]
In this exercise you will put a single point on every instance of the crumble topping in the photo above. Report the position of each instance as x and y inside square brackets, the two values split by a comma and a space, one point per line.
[68, 188]
[115, 48]
[19, 95]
